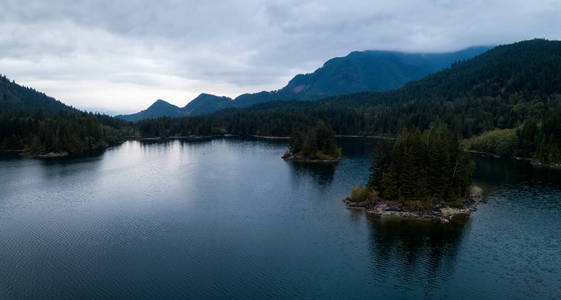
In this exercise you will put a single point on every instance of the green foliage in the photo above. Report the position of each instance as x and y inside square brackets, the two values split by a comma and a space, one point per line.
[65, 131]
[17, 98]
[358, 194]
[420, 167]
[503, 142]
[316, 143]
[541, 141]
[549, 149]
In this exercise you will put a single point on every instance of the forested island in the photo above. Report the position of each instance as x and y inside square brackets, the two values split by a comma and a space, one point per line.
[421, 175]
[316, 144]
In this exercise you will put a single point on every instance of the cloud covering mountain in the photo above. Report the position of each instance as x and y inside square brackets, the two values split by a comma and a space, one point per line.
[118, 56]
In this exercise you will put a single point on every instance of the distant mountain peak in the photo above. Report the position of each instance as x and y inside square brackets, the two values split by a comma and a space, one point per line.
[205, 104]
[359, 71]
[160, 102]
[160, 108]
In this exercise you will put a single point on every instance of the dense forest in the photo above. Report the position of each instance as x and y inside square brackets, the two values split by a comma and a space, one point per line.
[65, 131]
[508, 87]
[316, 143]
[537, 139]
[33, 122]
[15, 98]
[419, 170]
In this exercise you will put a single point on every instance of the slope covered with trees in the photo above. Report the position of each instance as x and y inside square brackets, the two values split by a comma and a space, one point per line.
[17, 98]
[506, 87]
[362, 71]
[32, 122]
[357, 72]
[62, 132]
[202, 105]
[158, 109]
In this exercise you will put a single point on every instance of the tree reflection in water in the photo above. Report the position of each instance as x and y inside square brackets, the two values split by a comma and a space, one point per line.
[321, 172]
[412, 250]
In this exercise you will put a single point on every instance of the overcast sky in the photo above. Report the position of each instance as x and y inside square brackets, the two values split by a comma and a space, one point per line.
[120, 56]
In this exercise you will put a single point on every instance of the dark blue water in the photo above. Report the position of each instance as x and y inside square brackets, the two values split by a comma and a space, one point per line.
[228, 218]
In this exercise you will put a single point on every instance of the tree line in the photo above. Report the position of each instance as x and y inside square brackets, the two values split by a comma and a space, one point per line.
[65, 131]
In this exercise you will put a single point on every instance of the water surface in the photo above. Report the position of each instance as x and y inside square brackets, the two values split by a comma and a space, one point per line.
[228, 218]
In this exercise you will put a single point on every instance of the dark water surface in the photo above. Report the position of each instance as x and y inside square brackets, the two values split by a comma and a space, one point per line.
[228, 218]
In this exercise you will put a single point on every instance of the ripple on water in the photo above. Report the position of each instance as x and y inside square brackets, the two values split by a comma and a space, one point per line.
[228, 218]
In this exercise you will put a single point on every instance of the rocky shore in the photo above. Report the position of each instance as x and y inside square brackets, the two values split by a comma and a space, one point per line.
[51, 155]
[441, 212]
[303, 159]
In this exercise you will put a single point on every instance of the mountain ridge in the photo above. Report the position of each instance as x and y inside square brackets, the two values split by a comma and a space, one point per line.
[15, 97]
[359, 71]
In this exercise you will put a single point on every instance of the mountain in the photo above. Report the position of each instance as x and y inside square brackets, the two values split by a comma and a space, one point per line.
[205, 104]
[14, 97]
[160, 108]
[361, 71]
[507, 87]
[357, 72]
[37, 124]
[523, 71]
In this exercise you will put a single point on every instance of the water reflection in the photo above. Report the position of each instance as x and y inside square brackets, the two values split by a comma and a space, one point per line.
[415, 249]
[322, 173]
[357, 146]
[167, 142]
[230, 218]
[495, 171]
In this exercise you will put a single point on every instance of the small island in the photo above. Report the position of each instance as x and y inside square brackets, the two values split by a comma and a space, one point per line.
[420, 175]
[316, 145]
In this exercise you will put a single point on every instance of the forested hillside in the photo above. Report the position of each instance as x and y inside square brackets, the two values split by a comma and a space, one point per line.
[357, 72]
[32, 122]
[506, 87]
[14, 97]
[158, 109]
[361, 71]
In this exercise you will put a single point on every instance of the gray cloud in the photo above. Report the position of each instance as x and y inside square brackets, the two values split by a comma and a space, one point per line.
[121, 55]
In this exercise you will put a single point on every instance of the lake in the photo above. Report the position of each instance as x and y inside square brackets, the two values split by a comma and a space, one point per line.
[228, 218]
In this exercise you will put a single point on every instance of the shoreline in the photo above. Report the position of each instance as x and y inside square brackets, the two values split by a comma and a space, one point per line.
[51, 154]
[535, 164]
[177, 137]
[547, 166]
[271, 137]
[301, 159]
[440, 212]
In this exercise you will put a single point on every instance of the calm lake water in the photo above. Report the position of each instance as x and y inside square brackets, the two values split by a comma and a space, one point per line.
[228, 218]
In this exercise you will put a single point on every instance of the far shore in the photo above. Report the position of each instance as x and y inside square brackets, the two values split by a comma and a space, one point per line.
[267, 137]
[302, 159]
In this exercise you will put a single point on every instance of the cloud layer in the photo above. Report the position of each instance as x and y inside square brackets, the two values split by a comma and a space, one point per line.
[120, 56]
